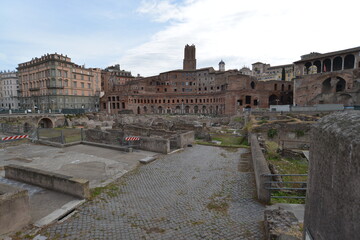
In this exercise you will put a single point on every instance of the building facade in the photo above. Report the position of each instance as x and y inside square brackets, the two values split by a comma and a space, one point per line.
[196, 91]
[9, 88]
[264, 72]
[329, 78]
[53, 82]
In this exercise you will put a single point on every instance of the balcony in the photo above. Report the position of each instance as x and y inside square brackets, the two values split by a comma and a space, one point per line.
[34, 89]
[54, 87]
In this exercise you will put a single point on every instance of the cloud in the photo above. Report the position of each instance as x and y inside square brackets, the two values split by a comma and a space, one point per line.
[240, 32]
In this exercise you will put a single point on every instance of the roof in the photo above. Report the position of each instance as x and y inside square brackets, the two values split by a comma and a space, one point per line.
[257, 63]
[329, 54]
[281, 66]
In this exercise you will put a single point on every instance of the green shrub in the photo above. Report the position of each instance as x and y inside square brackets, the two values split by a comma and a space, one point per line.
[299, 133]
[272, 132]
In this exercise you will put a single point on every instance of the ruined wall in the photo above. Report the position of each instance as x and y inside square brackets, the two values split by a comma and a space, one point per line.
[14, 209]
[159, 145]
[288, 134]
[183, 139]
[333, 194]
[114, 137]
[53, 181]
[260, 168]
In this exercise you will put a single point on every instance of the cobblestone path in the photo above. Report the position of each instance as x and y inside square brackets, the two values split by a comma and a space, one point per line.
[198, 193]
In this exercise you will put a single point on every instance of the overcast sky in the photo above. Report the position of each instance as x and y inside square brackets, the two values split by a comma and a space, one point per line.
[148, 36]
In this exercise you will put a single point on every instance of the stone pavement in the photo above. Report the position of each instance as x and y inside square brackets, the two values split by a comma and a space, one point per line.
[198, 193]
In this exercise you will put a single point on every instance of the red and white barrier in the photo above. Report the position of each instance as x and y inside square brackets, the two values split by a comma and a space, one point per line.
[132, 139]
[14, 137]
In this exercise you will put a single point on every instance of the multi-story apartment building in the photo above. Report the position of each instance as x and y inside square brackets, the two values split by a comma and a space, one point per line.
[112, 77]
[194, 91]
[53, 82]
[9, 87]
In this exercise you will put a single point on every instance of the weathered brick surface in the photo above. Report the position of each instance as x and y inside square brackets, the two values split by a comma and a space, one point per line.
[175, 197]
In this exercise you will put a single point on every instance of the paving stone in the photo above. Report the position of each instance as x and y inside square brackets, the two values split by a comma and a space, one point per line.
[197, 193]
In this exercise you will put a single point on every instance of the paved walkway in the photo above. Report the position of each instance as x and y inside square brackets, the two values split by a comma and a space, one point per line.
[198, 193]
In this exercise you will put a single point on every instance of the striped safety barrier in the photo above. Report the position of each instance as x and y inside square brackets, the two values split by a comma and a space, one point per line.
[132, 138]
[14, 137]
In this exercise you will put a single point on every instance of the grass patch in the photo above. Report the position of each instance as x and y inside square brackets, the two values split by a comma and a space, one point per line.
[287, 166]
[110, 190]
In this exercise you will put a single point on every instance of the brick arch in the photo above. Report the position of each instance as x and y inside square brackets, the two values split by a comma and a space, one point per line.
[45, 123]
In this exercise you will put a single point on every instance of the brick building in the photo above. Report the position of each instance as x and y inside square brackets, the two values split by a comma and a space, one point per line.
[54, 82]
[195, 91]
[332, 77]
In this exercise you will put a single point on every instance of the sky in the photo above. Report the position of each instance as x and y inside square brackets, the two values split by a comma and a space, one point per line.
[148, 37]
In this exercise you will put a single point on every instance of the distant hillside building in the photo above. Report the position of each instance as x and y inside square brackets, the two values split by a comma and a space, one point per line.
[54, 82]
[9, 87]
[196, 91]
[264, 72]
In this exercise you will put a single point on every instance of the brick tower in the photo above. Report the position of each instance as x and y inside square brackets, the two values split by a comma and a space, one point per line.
[189, 58]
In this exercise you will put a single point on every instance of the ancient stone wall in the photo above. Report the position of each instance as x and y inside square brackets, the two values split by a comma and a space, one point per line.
[333, 194]
[14, 209]
[260, 169]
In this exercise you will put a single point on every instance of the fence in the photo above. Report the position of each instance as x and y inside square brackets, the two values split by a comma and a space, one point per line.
[286, 189]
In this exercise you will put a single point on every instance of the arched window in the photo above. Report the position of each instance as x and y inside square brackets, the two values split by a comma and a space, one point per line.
[340, 85]
[318, 66]
[252, 84]
[337, 64]
[349, 61]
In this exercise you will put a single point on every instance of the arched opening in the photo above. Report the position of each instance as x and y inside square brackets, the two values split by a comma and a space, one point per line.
[282, 87]
[168, 110]
[187, 109]
[340, 85]
[337, 64]
[138, 110]
[349, 61]
[256, 102]
[27, 127]
[45, 123]
[317, 64]
[145, 109]
[252, 84]
[307, 67]
[210, 109]
[203, 109]
[196, 109]
[177, 109]
[273, 99]
[160, 109]
[217, 110]
[248, 107]
[327, 65]
[326, 86]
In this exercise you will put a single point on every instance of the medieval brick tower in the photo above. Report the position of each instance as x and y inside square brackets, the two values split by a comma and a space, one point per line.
[189, 58]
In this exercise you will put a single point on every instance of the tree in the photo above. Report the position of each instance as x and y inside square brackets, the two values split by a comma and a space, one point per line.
[283, 74]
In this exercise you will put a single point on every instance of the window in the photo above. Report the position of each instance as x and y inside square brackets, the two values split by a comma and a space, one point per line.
[75, 84]
[247, 99]
[82, 85]
[89, 85]
[74, 76]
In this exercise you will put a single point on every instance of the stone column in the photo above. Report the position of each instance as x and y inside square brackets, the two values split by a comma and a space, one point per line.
[333, 195]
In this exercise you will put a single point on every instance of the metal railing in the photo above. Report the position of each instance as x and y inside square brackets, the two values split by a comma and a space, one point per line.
[286, 187]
